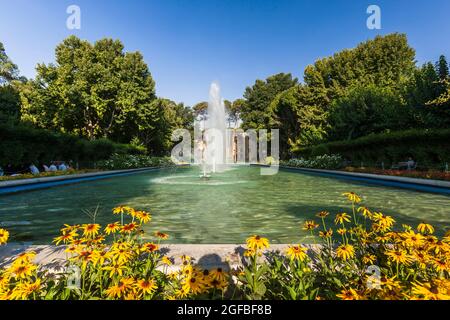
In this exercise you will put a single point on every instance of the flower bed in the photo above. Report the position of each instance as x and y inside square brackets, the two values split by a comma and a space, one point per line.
[46, 174]
[362, 257]
[430, 174]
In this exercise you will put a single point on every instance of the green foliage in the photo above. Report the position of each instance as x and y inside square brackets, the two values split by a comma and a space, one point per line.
[93, 90]
[427, 147]
[330, 162]
[366, 110]
[127, 161]
[22, 145]
[255, 111]
[8, 70]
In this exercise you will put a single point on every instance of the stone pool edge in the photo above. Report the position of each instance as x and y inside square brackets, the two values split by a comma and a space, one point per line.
[227, 256]
[14, 186]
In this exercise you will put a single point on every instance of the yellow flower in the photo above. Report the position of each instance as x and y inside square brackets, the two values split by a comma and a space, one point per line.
[146, 286]
[112, 228]
[440, 265]
[115, 268]
[410, 238]
[425, 228]
[345, 251]
[149, 247]
[121, 255]
[218, 284]
[218, 274]
[297, 252]
[385, 222]
[326, 234]
[120, 289]
[165, 260]
[353, 197]
[341, 218]
[128, 228]
[342, 231]
[257, 242]
[24, 289]
[22, 270]
[398, 256]
[194, 284]
[430, 291]
[90, 230]
[161, 235]
[121, 210]
[369, 259]
[310, 225]
[25, 257]
[365, 212]
[65, 237]
[348, 294]
[322, 214]
[4, 235]
[182, 293]
[144, 217]
[99, 257]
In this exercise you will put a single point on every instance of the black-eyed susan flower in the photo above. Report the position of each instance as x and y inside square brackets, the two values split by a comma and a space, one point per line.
[398, 256]
[120, 289]
[4, 235]
[25, 257]
[365, 212]
[322, 214]
[146, 286]
[166, 260]
[352, 197]
[218, 274]
[90, 230]
[341, 231]
[345, 252]
[425, 228]
[128, 228]
[115, 269]
[143, 216]
[194, 284]
[383, 220]
[22, 270]
[121, 210]
[182, 292]
[161, 235]
[310, 225]
[348, 294]
[430, 291]
[410, 238]
[342, 218]
[297, 253]
[149, 247]
[257, 243]
[369, 259]
[326, 234]
[112, 228]
[65, 238]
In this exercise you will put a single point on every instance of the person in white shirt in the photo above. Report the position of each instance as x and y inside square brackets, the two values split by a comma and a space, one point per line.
[53, 168]
[34, 170]
[62, 167]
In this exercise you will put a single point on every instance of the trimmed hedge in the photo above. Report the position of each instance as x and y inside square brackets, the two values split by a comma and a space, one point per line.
[430, 148]
[21, 145]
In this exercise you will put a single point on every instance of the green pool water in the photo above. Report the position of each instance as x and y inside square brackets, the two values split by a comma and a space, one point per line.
[226, 209]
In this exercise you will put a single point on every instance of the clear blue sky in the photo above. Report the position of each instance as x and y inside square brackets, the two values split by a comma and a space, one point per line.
[190, 43]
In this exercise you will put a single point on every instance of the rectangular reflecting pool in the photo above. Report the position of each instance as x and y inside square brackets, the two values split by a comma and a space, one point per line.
[224, 209]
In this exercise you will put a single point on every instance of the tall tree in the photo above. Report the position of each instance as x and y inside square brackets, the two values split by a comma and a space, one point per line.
[9, 96]
[93, 90]
[8, 70]
[255, 112]
[442, 68]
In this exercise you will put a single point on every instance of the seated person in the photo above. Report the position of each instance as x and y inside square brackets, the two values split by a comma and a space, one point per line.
[34, 170]
[46, 168]
[53, 167]
[410, 164]
[62, 167]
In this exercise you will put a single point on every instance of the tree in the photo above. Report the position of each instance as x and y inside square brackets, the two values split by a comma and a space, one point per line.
[234, 113]
[365, 110]
[93, 90]
[8, 70]
[442, 68]
[255, 112]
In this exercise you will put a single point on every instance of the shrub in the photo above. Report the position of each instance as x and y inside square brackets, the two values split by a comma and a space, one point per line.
[427, 147]
[127, 161]
[320, 162]
[20, 146]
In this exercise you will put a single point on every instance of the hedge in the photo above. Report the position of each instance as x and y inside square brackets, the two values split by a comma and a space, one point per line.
[21, 145]
[430, 148]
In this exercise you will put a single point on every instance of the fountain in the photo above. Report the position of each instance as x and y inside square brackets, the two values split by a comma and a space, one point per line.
[213, 145]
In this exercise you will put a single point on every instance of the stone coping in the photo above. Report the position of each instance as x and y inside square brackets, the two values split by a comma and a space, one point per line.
[406, 180]
[21, 182]
[226, 256]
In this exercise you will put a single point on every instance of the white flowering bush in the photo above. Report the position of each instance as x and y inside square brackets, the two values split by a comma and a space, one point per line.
[333, 161]
[118, 162]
